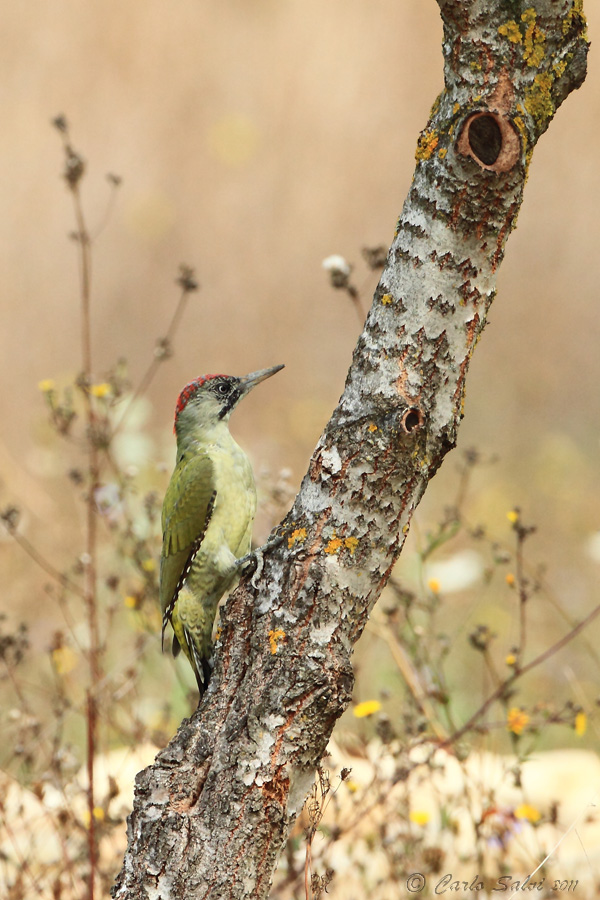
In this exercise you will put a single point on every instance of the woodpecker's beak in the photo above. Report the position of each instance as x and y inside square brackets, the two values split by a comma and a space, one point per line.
[254, 378]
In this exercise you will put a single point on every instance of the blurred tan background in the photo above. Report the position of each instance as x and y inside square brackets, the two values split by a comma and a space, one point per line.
[254, 138]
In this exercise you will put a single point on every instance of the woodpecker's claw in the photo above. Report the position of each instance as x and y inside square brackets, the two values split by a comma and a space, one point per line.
[253, 563]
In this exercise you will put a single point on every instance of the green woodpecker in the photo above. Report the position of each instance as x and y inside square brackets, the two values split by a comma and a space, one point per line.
[207, 514]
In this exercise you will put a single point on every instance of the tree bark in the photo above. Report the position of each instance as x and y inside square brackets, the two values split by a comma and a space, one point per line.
[212, 814]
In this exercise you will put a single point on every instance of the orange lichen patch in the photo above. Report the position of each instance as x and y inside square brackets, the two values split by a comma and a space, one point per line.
[387, 299]
[428, 141]
[274, 637]
[299, 535]
[351, 543]
[334, 545]
[372, 427]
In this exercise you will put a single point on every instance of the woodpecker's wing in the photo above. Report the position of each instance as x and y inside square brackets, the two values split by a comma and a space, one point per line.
[187, 509]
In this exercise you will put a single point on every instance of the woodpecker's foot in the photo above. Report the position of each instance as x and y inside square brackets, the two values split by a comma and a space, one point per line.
[253, 563]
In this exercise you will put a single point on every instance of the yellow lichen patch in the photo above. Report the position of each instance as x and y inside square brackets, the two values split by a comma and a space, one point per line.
[298, 534]
[334, 545]
[428, 141]
[351, 543]
[534, 42]
[387, 299]
[511, 31]
[442, 152]
[366, 708]
[576, 12]
[218, 633]
[372, 427]
[538, 99]
[529, 812]
[516, 720]
[455, 108]
[274, 637]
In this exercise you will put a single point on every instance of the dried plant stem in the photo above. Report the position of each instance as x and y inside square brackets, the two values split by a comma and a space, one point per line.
[44, 564]
[505, 685]
[90, 569]
[157, 359]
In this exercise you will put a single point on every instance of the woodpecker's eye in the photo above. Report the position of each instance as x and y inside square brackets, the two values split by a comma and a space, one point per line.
[223, 389]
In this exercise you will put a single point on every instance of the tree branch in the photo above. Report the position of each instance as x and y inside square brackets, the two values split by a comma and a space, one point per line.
[212, 814]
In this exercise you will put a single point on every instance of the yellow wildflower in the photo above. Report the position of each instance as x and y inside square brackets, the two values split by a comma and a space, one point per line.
[101, 390]
[509, 578]
[46, 385]
[513, 516]
[580, 724]
[433, 585]
[419, 816]
[64, 660]
[366, 708]
[516, 720]
[526, 811]
[99, 816]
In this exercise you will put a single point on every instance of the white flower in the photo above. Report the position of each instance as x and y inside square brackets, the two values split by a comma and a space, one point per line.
[336, 264]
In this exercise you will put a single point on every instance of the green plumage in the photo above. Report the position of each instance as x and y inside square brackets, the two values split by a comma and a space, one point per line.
[207, 515]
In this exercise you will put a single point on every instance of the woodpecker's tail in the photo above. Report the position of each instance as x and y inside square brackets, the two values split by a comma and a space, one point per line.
[200, 663]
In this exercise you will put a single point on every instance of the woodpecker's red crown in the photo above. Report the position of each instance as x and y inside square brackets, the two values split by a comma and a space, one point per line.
[191, 389]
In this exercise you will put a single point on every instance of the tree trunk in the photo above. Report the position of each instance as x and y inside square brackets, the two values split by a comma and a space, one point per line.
[212, 814]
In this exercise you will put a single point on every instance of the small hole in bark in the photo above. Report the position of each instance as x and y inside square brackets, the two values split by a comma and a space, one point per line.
[411, 419]
[485, 139]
